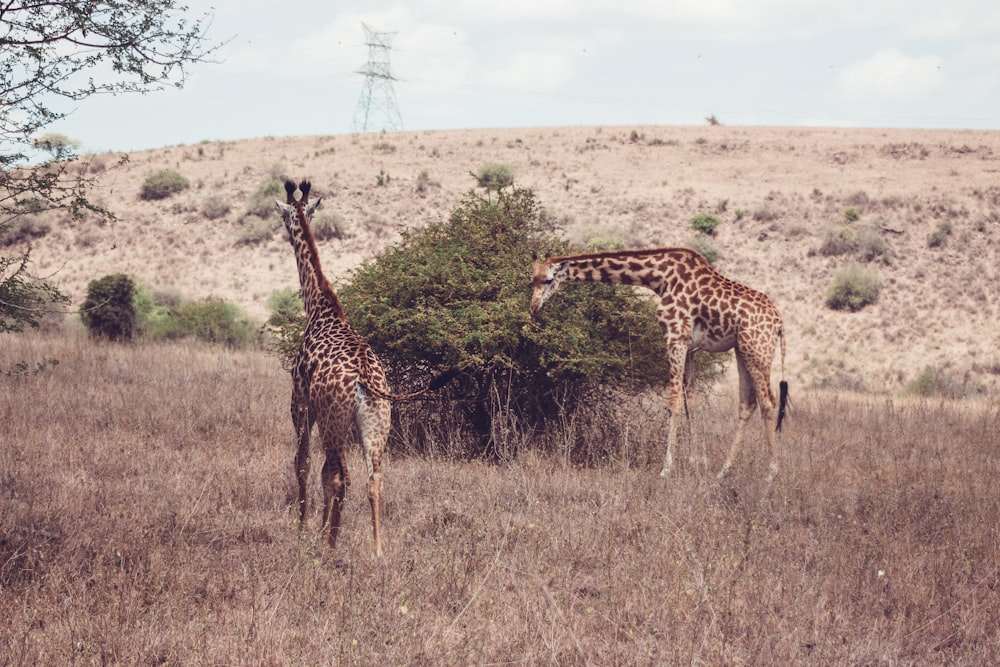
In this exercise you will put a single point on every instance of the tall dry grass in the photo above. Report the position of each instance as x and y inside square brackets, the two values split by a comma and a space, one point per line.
[146, 517]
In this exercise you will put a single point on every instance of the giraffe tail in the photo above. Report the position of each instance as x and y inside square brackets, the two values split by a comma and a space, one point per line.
[782, 403]
[782, 386]
[435, 384]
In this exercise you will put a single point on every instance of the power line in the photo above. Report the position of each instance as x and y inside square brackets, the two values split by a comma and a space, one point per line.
[378, 99]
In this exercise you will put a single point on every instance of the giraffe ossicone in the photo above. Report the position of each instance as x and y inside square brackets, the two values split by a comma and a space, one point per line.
[699, 309]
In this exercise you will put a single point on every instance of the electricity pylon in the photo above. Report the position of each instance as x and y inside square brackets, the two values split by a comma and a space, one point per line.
[377, 96]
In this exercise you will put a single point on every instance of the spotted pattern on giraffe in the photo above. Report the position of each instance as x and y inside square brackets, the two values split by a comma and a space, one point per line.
[699, 309]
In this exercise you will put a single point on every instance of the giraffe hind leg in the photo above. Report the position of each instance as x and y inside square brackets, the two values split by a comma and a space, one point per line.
[373, 421]
[748, 403]
[334, 491]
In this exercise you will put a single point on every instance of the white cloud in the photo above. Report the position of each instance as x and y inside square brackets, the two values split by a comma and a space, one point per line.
[534, 71]
[890, 74]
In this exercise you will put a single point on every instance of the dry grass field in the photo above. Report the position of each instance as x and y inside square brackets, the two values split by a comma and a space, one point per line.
[147, 495]
[147, 517]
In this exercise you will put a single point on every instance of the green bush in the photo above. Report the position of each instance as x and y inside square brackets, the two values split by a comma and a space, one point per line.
[262, 200]
[705, 224]
[456, 295]
[108, 311]
[705, 249]
[286, 324]
[328, 225]
[939, 237]
[24, 229]
[210, 320]
[495, 177]
[163, 183]
[939, 382]
[853, 288]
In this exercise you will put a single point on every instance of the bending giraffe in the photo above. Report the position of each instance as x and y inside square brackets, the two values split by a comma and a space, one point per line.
[337, 381]
[699, 309]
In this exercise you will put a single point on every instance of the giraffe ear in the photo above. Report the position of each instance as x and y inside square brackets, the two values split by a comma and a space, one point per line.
[283, 208]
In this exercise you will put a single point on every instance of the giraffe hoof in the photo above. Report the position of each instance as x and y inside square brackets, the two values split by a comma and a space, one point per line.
[722, 473]
[772, 472]
[665, 472]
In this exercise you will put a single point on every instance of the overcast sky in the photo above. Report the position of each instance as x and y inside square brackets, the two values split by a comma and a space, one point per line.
[543, 63]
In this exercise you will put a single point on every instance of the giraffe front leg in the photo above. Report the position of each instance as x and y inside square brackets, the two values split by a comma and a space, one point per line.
[334, 491]
[302, 427]
[676, 389]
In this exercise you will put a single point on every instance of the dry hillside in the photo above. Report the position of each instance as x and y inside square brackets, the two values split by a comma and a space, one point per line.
[926, 202]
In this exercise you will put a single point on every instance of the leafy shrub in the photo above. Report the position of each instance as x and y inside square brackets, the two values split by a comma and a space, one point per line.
[494, 177]
[851, 214]
[210, 320]
[455, 295]
[865, 243]
[254, 230]
[59, 145]
[215, 208]
[705, 247]
[705, 224]
[108, 312]
[424, 182]
[24, 229]
[328, 225]
[939, 382]
[163, 183]
[286, 324]
[939, 237]
[853, 288]
[262, 200]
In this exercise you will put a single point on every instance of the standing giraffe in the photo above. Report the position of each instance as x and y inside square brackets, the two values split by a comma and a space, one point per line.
[337, 381]
[699, 309]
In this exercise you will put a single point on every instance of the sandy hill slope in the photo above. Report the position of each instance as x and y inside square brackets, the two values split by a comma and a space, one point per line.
[924, 204]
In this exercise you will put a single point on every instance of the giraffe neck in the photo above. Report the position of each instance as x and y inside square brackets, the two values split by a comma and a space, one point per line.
[317, 295]
[658, 270]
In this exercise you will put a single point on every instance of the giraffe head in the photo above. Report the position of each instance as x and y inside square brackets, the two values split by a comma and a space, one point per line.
[547, 277]
[291, 208]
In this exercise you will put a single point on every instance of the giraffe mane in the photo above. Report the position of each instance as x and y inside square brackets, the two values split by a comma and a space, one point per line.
[607, 254]
[300, 209]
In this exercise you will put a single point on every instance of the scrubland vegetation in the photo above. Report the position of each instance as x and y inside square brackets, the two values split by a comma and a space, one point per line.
[146, 517]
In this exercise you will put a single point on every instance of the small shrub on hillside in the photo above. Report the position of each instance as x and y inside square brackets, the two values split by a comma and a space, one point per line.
[705, 224]
[853, 288]
[938, 382]
[163, 183]
[424, 182]
[215, 208]
[254, 230]
[24, 229]
[852, 215]
[939, 237]
[328, 225]
[58, 145]
[704, 246]
[108, 312]
[866, 243]
[493, 176]
[262, 200]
